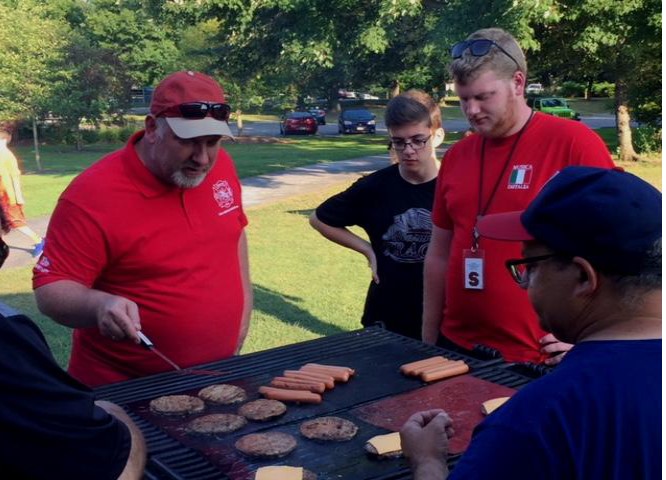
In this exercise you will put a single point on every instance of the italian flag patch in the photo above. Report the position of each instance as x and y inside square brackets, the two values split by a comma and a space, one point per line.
[520, 177]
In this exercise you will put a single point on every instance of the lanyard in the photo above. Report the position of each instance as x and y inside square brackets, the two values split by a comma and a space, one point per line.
[483, 209]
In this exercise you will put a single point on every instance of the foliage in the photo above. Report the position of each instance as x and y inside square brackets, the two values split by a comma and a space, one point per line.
[648, 139]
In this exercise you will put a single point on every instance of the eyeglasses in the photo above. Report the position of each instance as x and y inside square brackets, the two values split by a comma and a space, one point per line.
[416, 143]
[478, 48]
[199, 110]
[520, 268]
[4, 251]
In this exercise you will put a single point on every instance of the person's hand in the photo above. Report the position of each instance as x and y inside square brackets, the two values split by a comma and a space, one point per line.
[425, 442]
[555, 349]
[118, 318]
[372, 263]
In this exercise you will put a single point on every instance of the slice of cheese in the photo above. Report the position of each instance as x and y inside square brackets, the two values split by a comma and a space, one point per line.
[279, 473]
[493, 404]
[386, 443]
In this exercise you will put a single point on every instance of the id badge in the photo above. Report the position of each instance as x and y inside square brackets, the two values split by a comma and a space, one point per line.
[473, 269]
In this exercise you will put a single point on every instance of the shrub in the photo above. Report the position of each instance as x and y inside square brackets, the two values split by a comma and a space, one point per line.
[572, 89]
[603, 89]
[648, 139]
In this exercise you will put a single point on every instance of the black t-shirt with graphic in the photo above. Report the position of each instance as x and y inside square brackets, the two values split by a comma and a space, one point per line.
[396, 215]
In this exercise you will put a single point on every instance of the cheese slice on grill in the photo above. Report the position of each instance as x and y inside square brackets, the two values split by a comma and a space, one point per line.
[386, 443]
[493, 404]
[279, 473]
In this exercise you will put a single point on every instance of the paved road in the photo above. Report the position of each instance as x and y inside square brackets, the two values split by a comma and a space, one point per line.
[272, 129]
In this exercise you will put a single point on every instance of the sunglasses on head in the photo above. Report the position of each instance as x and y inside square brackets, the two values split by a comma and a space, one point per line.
[199, 110]
[478, 48]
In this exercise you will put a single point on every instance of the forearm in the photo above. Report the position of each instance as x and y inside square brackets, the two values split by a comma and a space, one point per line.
[248, 296]
[70, 303]
[136, 462]
[342, 236]
[434, 470]
[434, 283]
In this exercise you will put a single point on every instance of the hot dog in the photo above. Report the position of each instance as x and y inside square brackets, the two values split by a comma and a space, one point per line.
[349, 370]
[338, 375]
[283, 395]
[439, 366]
[407, 367]
[445, 372]
[292, 384]
[326, 379]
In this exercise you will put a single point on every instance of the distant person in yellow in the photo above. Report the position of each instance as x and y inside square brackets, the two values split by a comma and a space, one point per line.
[11, 194]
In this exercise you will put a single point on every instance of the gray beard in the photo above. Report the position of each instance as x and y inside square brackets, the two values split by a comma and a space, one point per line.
[180, 180]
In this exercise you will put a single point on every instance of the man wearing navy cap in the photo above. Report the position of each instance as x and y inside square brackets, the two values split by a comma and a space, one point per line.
[151, 238]
[592, 269]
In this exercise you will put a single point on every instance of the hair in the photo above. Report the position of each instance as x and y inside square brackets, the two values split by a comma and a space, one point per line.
[413, 106]
[631, 288]
[161, 127]
[468, 67]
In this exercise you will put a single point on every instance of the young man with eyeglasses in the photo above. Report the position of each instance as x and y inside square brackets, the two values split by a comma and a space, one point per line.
[50, 425]
[591, 266]
[151, 238]
[514, 151]
[393, 206]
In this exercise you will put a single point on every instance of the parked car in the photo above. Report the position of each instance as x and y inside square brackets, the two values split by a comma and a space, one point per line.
[298, 122]
[553, 106]
[367, 96]
[319, 114]
[358, 120]
[534, 89]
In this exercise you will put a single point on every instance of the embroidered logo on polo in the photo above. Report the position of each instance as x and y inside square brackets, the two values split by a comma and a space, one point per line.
[520, 177]
[224, 196]
[406, 240]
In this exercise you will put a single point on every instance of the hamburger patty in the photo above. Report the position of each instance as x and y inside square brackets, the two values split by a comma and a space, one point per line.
[176, 405]
[222, 394]
[216, 423]
[266, 445]
[262, 410]
[333, 429]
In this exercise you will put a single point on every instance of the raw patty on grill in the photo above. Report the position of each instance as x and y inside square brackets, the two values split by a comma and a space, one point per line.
[216, 423]
[176, 405]
[333, 429]
[262, 410]
[266, 445]
[222, 394]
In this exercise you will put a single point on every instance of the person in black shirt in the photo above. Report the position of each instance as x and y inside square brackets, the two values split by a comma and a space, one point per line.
[50, 424]
[393, 206]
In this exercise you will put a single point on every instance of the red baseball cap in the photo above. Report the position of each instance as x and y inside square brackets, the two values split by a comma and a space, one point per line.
[188, 87]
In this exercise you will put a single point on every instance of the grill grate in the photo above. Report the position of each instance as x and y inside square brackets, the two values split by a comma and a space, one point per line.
[374, 352]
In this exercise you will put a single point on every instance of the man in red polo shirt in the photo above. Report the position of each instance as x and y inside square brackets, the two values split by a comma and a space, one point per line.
[151, 238]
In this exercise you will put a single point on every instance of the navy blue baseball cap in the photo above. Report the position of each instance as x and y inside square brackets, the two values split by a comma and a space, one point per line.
[609, 217]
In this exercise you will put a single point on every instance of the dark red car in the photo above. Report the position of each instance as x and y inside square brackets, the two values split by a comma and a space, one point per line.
[298, 122]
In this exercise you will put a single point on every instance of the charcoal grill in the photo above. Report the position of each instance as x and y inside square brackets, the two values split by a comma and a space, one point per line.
[374, 353]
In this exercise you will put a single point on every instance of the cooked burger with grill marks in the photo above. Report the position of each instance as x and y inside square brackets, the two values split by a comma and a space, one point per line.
[222, 394]
[333, 429]
[216, 423]
[176, 405]
[262, 410]
[266, 445]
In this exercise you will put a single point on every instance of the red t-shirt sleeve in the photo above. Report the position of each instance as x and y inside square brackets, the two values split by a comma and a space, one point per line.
[75, 249]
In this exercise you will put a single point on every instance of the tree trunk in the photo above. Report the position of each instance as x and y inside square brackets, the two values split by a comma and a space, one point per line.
[35, 140]
[395, 89]
[626, 152]
[239, 121]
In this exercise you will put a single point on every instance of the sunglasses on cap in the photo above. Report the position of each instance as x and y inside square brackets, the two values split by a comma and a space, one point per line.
[478, 48]
[198, 110]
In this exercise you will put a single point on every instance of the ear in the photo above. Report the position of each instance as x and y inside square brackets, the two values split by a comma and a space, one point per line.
[437, 137]
[150, 126]
[588, 280]
[519, 82]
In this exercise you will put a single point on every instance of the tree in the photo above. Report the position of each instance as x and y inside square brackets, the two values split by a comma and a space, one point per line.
[30, 56]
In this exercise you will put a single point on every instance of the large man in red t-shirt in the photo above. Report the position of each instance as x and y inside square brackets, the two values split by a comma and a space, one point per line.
[151, 238]
[468, 297]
